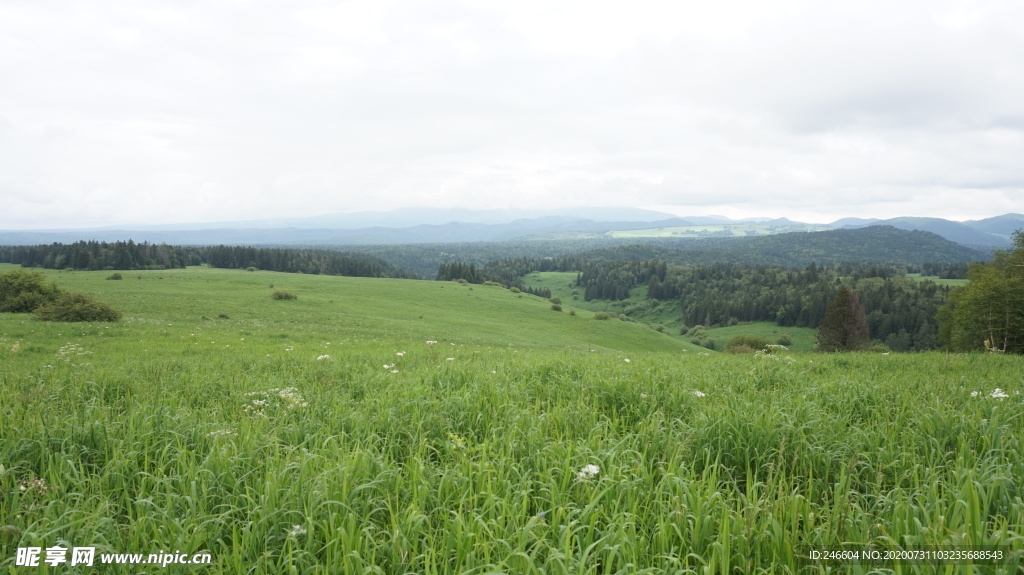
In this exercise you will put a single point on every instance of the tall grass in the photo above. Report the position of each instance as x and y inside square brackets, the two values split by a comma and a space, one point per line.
[286, 454]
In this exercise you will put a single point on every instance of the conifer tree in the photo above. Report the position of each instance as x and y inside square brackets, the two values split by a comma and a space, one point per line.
[844, 327]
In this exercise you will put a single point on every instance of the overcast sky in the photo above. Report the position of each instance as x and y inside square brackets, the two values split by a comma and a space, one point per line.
[162, 112]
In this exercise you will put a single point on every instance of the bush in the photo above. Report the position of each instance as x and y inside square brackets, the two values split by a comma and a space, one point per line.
[572, 312]
[556, 307]
[115, 276]
[76, 307]
[514, 289]
[747, 343]
[697, 330]
[785, 339]
[283, 295]
[601, 315]
[22, 291]
[703, 341]
[556, 300]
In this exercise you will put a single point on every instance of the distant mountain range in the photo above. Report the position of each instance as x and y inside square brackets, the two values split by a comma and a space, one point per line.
[425, 225]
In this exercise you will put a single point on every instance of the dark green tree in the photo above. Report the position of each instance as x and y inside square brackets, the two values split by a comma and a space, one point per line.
[988, 313]
[844, 327]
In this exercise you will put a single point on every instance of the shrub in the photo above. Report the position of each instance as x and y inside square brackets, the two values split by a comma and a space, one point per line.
[703, 341]
[556, 300]
[115, 276]
[76, 307]
[601, 315]
[22, 291]
[514, 289]
[747, 343]
[697, 330]
[556, 307]
[250, 269]
[283, 295]
[785, 339]
[572, 312]
[493, 284]
[223, 316]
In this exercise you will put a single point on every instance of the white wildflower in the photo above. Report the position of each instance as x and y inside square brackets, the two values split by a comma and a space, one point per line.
[588, 472]
[626, 360]
[999, 394]
[975, 393]
[431, 342]
[221, 433]
[323, 357]
[400, 354]
[699, 393]
[449, 359]
[394, 371]
[297, 530]
[292, 398]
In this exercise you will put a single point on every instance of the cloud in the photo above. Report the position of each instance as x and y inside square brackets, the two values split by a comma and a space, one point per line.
[235, 110]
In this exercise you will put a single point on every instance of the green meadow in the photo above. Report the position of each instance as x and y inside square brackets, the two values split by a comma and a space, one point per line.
[395, 426]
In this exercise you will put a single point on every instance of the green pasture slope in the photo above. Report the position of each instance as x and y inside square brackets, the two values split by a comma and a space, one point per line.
[665, 313]
[327, 435]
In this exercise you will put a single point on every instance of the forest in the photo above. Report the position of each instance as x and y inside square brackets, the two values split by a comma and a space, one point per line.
[93, 255]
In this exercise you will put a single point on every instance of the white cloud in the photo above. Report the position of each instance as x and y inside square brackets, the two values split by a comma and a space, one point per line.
[117, 113]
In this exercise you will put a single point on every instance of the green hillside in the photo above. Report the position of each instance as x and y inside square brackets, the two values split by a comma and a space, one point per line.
[337, 308]
[379, 426]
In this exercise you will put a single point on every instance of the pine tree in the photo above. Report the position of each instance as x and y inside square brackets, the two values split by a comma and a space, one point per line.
[844, 327]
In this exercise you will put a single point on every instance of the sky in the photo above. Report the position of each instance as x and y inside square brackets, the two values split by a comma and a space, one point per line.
[114, 113]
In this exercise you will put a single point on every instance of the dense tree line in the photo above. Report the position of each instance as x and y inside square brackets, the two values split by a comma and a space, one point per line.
[93, 255]
[469, 273]
[900, 312]
[880, 244]
[613, 281]
[307, 261]
[988, 313]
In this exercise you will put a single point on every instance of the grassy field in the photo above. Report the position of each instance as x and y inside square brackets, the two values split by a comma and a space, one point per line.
[636, 307]
[938, 280]
[721, 230]
[376, 426]
[803, 337]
